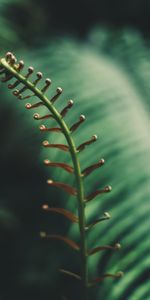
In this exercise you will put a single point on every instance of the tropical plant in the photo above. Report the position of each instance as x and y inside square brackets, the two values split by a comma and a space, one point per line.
[11, 69]
[107, 73]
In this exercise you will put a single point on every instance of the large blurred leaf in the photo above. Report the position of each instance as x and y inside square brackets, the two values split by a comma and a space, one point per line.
[105, 88]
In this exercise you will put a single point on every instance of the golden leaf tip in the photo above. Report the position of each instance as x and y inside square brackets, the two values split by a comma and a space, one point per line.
[28, 105]
[94, 137]
[82, 118]
[120, 274]
[107, 215]
[117, 246]
[46, 161]
[42, 127]
[59, 90]
[49, 181]
[108, 188]
[21, 62]
[16, 92]
[13, 59]
[31, 70]
[48, 81]
[39, 75]
[36, 116]
[45, 143]
[45, 206]
[42, 234]
[20, 65]
[9, 55]
[102, 161]
[70, 102]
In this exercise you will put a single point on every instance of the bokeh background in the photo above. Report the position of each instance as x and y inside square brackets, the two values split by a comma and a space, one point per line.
[98, 51]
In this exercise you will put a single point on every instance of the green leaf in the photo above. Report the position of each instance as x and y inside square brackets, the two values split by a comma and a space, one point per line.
[111, 89]
[104, 90]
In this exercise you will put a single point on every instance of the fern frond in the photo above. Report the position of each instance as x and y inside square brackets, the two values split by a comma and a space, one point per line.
[9, 69]
[63, 212]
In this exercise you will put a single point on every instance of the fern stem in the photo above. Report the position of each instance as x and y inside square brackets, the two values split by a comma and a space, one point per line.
[77, 171]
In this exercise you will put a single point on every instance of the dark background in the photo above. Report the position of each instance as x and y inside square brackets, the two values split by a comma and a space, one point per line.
[80, 16]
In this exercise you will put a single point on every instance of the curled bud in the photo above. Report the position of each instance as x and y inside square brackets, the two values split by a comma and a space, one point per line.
[65, 110]
[107, 215]
[30, 72]
[43, 127]
[119, 274]
[20, 66]
[117, 246]
[39, 77]
[45, 206]
[45, 143]
[9, 55]
[36, 116]
[47, 84]
[82, 146]
[16, 92]
[77, 124]
[42, 234]
[58, 93]
[30, 106]
[108, 188]
[67, 188]
[12, 60]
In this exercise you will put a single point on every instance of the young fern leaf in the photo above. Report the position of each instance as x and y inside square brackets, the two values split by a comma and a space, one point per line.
[66, 240]
[63, 166]
[100, 279]
[69, 215]
[9, 68]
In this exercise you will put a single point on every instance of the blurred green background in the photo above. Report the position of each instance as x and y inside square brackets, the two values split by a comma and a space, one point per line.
[98, 51]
